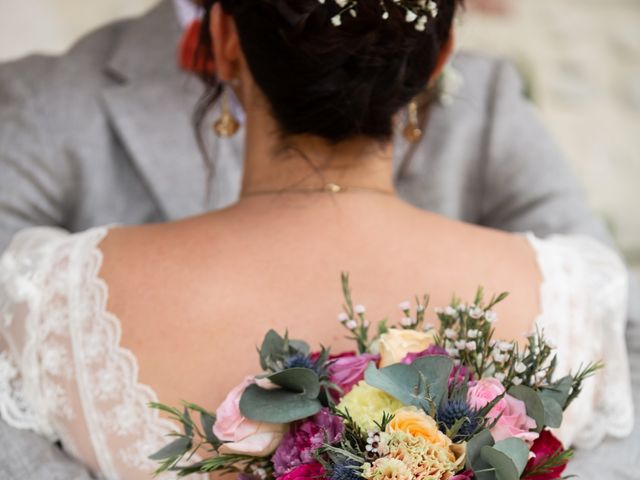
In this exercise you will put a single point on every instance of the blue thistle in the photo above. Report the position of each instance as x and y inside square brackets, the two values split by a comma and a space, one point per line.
[348, 470]
[453, 411]
[299, 360]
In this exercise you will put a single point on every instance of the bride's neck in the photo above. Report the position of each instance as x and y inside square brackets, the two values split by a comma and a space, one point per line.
[274, 163]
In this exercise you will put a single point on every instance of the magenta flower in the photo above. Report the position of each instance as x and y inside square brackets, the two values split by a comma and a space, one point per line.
[303, 439]
[310, 471]
[346, 371]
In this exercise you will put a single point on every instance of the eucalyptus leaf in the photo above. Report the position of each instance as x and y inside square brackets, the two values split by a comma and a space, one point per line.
[552, 411]
[178, 447]
[508, 458]
[271, 349]
[298, 380]
[533, 402]
[475, 461]
[559, 391]
[300, 346]
[436, 369]
[517, 450]
[398, 380]
[277, 406]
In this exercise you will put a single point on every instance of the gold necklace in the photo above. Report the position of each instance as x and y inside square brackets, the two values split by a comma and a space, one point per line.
[328, 188]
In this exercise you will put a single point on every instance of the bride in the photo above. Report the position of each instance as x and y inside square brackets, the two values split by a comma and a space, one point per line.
[96, 325]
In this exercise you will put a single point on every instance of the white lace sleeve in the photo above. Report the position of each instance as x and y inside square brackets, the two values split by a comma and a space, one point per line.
[584, 312]
[63, 373]
[21, 403]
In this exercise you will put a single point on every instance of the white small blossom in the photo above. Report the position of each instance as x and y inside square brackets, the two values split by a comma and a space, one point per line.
[404, 306]
[541, 376]
[517, 381]
[439, 310]
[476, 312]
[462, 307]
[471, 346]
[520, 368]
[343, 317]
[359, 309]
[420, 308]
[450, 333]
[473, 333]
[500, 376]
[408, 321]
[336, 20]
[453, 352]
[452, 312]
[366, 324]
[460, 344]
[491, 316]
[492, 343]
[351, 324]
[505, 346]
[499, 357]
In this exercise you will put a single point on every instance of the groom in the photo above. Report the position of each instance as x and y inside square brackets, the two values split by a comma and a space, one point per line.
[102, 135]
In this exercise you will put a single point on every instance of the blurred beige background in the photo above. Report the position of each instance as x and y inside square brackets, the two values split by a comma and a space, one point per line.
[581, 59]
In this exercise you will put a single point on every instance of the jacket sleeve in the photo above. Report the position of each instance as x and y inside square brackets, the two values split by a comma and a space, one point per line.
[34, 179]
[27, 456]
[527, 184]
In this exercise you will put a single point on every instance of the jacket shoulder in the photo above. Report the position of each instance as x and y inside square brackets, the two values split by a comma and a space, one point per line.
[486, 79]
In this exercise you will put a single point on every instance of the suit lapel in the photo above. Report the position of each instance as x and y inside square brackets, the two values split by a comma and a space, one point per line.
[150, 105]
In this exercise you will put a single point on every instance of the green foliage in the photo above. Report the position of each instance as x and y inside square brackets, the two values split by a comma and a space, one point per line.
[508, 458]
[533, 402]
[423, 384]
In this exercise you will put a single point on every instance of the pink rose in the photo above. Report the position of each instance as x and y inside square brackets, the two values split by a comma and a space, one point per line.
[309, 471]
[245, 436]
[514, 421]
[348, 369]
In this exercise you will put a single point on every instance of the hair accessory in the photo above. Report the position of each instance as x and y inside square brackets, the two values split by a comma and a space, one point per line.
[227, 125]
[417, 12]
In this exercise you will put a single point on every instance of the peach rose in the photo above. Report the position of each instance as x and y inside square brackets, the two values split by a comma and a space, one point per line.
[245, 436]
[397, 343]
[418, 424]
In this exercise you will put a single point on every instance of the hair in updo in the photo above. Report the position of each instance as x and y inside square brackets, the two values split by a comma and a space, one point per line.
[334, 82]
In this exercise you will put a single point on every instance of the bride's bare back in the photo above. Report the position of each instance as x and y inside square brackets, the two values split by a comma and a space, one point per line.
[196, 297]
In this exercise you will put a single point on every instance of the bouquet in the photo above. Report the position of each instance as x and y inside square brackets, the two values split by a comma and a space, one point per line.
[413, 402]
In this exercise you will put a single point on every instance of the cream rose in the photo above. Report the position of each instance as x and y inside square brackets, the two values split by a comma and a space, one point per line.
[245, 437]
[397, 343]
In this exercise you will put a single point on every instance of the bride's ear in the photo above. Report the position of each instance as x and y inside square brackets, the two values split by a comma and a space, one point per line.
[226, 44]
[445, 55]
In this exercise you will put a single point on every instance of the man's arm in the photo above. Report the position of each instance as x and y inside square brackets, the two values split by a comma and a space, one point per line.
[34, 178]
[26, 456]
[33, 182]
[528, 184]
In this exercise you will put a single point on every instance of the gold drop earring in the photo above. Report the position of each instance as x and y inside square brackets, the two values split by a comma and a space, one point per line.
[227, 124]
[412, 131]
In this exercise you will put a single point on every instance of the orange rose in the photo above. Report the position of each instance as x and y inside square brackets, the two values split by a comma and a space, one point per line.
[417, 423]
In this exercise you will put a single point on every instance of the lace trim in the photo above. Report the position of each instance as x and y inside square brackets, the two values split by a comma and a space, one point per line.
[582, 302]
[115, 402]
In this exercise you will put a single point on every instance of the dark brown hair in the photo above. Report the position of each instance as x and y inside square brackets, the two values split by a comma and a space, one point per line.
[333, 82]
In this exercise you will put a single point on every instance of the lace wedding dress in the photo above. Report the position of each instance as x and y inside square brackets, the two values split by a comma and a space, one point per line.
[64, 375]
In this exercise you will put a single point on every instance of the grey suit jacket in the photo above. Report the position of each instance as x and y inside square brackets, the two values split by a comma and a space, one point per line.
[103, 135]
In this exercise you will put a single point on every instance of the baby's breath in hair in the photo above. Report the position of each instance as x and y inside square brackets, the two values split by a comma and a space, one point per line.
[418, 12]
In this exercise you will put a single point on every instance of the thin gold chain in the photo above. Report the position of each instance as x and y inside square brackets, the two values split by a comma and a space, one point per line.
[328, 188]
